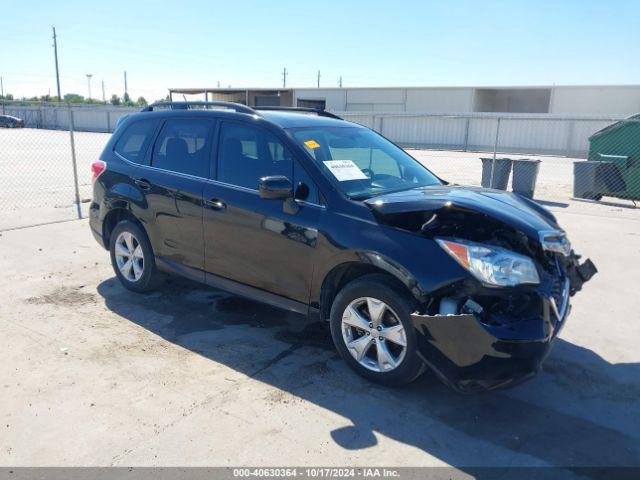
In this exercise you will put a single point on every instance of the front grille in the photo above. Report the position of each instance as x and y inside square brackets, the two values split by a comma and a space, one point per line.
[559, 292]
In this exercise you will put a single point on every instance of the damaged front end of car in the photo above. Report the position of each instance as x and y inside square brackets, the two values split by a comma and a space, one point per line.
[494, 327]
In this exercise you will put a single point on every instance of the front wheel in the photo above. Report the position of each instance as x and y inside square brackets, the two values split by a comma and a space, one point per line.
[372, 330]
[132, 257]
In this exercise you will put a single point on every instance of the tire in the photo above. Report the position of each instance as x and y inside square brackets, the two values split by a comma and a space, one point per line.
[398, 306]
[142, 275]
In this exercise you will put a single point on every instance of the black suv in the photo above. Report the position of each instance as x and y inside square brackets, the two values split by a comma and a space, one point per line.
[305, 211]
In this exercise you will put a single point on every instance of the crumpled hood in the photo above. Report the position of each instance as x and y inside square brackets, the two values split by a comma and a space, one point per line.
[511, 209]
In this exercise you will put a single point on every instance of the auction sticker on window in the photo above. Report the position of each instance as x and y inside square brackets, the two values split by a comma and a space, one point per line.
[345, 170]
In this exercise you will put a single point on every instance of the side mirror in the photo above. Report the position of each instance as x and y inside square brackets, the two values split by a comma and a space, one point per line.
[276, 187]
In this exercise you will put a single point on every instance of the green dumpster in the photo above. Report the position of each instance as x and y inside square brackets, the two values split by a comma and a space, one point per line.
[619, 145]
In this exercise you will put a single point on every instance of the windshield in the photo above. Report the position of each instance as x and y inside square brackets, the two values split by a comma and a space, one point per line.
[363, 163]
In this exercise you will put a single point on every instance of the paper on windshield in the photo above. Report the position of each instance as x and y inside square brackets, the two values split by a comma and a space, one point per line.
[345, 170]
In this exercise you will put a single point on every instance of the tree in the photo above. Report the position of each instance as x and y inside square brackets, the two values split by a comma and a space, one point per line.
[8, 96]
[126, 99]
[115, 100]
[141, 102]
[73, 98]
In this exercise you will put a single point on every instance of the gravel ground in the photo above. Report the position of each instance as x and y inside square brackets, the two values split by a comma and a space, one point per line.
[92, 374]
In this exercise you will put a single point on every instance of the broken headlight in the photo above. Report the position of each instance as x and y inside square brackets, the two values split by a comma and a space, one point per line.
[490, 264]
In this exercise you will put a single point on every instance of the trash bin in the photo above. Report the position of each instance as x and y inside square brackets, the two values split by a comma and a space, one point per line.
[525, 174]
[501, 172]
[585, 180]
[619, 143]
[617, 176]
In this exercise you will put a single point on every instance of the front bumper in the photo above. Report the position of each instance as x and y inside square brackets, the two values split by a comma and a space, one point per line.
[482, 349]
[469, 356]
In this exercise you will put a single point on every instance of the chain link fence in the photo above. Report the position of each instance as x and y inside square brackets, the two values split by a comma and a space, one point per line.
[549, 157]
[45, 173]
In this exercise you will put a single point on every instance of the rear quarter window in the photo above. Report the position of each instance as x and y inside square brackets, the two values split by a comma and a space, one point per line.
[134, 141]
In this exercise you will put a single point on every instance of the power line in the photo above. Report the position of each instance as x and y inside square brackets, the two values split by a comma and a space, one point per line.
[55, 52]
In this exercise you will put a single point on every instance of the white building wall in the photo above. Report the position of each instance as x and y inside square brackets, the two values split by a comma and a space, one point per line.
[439, 100]
[590, 100]
[335, 98]
[386, 100]
[612, 100]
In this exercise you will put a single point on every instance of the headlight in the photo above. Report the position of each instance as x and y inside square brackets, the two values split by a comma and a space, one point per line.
[492, 265]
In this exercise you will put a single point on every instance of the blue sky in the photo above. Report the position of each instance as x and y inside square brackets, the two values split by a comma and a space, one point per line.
[369, 43]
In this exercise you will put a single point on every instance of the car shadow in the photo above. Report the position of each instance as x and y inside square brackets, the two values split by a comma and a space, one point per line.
[581, 411]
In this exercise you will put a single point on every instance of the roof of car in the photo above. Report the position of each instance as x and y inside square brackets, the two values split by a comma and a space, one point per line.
[286, 119]
[283, 117]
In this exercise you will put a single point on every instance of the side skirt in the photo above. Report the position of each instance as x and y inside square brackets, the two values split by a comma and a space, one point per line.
[236, 288]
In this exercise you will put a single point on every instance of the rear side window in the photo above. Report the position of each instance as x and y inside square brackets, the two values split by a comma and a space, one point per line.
[134, 141]
[183, 146]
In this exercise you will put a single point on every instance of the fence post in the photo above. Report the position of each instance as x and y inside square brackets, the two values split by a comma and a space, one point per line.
[466, 134]
[495, 150]
[73, 160]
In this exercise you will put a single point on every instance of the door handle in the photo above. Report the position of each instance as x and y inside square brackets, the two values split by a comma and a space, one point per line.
[215, 204]
[142, 183]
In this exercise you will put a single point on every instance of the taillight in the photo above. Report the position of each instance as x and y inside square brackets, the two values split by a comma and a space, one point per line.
[97, 168]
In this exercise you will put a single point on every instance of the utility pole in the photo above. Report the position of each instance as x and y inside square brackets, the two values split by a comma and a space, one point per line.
[89, 75]
[218, 83]
[104, 99]
[126, 89]
[340, 82]
[284, 77]
[2, 94]
[318, 78]
[55, 52]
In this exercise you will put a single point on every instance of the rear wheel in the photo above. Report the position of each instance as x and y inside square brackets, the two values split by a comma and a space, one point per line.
[372, 329]
[132, 257]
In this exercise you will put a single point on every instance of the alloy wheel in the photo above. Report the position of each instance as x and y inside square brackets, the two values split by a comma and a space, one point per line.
[373, 334]
[129, 256]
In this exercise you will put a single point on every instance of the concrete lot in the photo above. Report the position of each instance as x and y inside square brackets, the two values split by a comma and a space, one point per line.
[94, 375]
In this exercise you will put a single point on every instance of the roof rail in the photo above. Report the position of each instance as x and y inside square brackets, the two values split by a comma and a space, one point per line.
[317, 111]
[238, 107]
